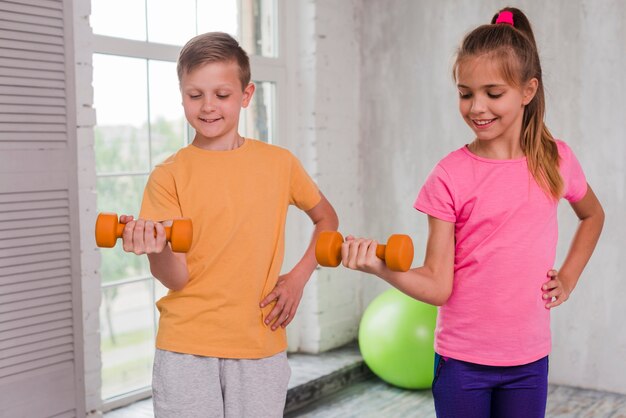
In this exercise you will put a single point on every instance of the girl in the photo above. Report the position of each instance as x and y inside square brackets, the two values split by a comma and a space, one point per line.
[492, 216]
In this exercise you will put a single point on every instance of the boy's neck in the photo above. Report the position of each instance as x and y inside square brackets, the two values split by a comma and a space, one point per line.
[219, 144]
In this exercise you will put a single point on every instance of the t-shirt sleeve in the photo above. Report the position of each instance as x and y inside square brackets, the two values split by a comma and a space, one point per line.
[573, 175]
[436, 197]
[303, 192]
[160, 199]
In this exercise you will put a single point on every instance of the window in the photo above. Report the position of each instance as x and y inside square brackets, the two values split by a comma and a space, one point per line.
[139, 123]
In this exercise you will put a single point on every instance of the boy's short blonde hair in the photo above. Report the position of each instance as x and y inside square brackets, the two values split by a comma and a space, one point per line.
[213, 47]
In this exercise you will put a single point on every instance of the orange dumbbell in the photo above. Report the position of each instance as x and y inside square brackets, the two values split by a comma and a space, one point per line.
[397, 254]
[109, 229]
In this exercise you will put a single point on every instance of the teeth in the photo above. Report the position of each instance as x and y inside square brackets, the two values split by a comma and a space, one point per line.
[483, 122]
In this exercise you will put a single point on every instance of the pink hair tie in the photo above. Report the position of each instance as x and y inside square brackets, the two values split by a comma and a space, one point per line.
[505, 17]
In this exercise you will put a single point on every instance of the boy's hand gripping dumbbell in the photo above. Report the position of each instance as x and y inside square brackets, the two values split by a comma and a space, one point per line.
[397, 254]
[109, 229]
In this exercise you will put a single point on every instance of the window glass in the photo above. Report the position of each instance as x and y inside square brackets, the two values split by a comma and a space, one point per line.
[172, 22]
[257, 121]
[140, 122]
[119, 18]
[258, 27]
[121, 195]
[120, 100]
[127, 337]
[218, 15]
[167, 118]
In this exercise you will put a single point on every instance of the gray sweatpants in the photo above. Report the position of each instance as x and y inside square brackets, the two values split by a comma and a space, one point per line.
[188, 386]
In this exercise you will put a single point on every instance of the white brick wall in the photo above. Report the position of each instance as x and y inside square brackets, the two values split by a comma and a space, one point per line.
[90, 257]
[324, 62]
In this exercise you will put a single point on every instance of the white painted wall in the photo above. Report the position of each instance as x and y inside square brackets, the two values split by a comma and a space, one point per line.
[409, 121]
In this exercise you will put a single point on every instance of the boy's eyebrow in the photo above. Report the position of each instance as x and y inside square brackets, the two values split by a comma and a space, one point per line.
[221, 86]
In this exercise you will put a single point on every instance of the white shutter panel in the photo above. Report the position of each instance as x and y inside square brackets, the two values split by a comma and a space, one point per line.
[40, 318]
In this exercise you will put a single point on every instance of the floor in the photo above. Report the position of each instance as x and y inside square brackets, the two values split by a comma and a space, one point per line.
[373, 398]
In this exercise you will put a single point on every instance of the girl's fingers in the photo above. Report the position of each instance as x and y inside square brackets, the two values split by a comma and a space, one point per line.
[556, 292]
[361, 258]
[358, 253]
[364, 251]
[349, 250]
[371, 249]
[549, 285]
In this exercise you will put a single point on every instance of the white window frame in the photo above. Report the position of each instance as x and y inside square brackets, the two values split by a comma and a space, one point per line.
[271, 69]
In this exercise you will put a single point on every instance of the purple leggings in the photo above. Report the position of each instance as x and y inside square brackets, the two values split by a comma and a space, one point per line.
[471, 390]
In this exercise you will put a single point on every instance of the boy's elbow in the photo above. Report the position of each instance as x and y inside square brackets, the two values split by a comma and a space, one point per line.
[175, 285]
[172, 283]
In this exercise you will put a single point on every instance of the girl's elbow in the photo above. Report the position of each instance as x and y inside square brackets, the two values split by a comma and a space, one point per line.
[442, 299]
[601, 216]
[333, 221]
[444, 294]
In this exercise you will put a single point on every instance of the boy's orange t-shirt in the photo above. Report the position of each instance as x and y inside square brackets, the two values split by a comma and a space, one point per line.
[237, 201]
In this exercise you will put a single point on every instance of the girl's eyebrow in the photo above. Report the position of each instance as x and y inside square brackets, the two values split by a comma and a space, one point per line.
[488, 86]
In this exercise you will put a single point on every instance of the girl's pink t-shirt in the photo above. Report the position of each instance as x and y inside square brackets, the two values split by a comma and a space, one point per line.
[505, 243]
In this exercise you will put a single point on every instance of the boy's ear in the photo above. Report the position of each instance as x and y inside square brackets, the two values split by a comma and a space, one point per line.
[529, 91]
[248, 92]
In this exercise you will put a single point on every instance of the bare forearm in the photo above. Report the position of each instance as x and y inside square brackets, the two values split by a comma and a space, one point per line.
[168, 268]
[308, 263]
[581, 249]
[421, 283]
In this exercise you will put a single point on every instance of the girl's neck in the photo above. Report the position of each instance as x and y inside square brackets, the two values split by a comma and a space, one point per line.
[496, 150]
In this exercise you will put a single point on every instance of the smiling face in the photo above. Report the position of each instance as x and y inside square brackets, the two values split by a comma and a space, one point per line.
[491, 106]
[212, 99]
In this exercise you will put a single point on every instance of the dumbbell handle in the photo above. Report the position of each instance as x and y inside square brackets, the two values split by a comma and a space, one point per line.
[380, 251]
[397, 254]
[119, 231]
[109, 230]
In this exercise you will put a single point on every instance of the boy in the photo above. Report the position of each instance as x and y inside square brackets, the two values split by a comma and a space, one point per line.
[221, 341]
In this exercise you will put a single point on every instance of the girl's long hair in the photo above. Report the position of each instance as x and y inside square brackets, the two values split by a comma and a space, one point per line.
[514, 48]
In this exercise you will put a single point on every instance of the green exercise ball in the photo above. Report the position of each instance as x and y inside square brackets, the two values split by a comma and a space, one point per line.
[396, 339]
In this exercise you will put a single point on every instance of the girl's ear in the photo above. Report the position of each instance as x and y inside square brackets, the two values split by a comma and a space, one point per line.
[529, 91]
[247, 94]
